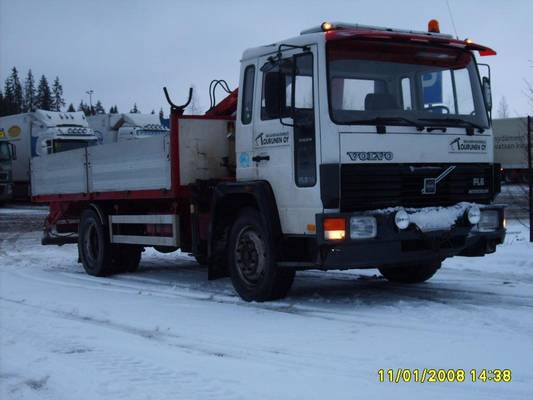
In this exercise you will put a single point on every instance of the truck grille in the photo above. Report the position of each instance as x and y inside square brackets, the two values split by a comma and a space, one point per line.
[375, 186]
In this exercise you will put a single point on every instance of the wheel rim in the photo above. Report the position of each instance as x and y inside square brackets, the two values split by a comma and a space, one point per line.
[250, 256]
[91, 244]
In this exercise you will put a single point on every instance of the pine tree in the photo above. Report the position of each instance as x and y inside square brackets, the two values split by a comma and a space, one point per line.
[85, 108]
[29, 92]
[99, 108]
[153, 111]
[1, 104]
[113, 109]
[71, 108]
[57, 95]
[161, 113]
[44, 95]
[135, 110]
[8, 108]
[18, 97]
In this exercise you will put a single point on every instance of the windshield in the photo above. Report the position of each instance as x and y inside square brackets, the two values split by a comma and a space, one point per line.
[64, 145]
[5, 151]
[408, 84]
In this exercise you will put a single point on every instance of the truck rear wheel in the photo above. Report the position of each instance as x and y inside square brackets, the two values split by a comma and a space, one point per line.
[94, 247]
[253, 270]
[416, 273]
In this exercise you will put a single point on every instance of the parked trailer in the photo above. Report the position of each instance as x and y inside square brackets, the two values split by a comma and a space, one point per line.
[40, 133]
[355, 147]
[510, 148]
[111, 128]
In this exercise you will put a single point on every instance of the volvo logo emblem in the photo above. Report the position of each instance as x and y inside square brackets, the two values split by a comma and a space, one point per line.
[430, 184]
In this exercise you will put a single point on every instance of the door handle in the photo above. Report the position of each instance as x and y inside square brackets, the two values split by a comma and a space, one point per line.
[260, 158]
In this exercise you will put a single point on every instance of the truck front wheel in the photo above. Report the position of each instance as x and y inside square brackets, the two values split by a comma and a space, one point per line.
[253, 270]
[416, 273]
[126, 258]
[93, 245]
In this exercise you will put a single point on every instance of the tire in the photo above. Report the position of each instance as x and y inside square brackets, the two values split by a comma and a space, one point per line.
[126, 258]
[411, 273]
[201, 259]
[94, 248]
[251, 259]
[165, 249]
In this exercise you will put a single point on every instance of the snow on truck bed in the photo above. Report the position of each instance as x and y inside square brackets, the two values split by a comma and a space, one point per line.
[168, 333]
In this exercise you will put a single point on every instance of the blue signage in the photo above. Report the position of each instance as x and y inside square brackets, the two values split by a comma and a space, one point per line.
[432, 87]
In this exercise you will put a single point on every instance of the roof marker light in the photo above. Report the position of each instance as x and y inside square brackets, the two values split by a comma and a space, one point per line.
[469, 41]
[433, 26]
[326, 26]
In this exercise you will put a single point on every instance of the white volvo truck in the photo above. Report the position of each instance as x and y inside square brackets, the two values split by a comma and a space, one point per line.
[40, 133]
[356, 147]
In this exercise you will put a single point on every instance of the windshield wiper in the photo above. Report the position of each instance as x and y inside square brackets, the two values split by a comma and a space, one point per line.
[385, 120]
[455, 121]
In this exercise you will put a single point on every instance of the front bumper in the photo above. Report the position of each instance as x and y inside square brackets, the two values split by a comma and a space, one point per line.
[393, 246]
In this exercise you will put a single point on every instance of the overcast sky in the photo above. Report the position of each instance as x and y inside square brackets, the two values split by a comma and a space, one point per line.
[127, 50]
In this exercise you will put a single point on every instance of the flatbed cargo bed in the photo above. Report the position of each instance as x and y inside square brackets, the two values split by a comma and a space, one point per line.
[153, 168]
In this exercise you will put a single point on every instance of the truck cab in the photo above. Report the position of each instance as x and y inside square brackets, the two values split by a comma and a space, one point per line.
[377, 146]
[7, 155]
[55, 132]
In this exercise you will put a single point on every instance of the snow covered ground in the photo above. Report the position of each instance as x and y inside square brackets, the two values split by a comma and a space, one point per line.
[167, 333]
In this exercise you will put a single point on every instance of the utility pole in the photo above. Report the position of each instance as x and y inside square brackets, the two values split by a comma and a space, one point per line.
[90, 93]
[529, 161]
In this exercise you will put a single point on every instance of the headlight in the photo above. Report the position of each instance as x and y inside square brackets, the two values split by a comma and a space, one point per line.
[363, 227]
[473, 215]
[489, 221]
[401, 219]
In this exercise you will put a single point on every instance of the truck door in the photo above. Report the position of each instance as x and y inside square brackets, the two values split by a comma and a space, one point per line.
[284, 138]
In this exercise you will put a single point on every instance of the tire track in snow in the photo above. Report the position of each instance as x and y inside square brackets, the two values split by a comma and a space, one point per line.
[117, 371]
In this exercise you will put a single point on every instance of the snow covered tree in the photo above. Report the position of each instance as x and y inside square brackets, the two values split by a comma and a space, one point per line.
[85, 108]
[29, 92]
[99, 108]
[44, 99]
[1, 104]
[57, 95]
[135, 110]
[71, 108]
[194, 107]
[13, 96]
[18, 97]
[7, 106]
[503, 108]
[161, 113]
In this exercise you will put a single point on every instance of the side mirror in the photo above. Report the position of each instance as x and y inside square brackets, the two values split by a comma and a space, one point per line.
[272, 93]
[487, 93]
[13, 151]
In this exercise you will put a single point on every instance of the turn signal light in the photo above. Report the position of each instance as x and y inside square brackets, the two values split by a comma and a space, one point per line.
[334, 228]
[433, 26]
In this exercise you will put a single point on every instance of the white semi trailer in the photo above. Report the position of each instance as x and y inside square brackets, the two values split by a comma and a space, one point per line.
[111, 128]
[510, 148]
[355, 147]
[40, 133]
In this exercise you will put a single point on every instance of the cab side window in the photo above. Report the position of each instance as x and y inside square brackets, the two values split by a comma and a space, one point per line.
[248, 95]
[277, 90]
